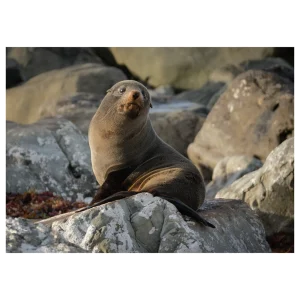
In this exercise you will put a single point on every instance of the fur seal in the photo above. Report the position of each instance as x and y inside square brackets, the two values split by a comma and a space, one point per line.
[129, 158]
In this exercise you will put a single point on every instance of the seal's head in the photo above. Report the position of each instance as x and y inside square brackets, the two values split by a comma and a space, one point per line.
[131, 98]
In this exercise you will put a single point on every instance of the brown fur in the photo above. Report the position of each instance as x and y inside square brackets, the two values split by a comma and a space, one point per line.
[128, 157]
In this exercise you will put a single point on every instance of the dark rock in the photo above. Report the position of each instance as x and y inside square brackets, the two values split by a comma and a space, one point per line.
[14, 74]
[37, 60]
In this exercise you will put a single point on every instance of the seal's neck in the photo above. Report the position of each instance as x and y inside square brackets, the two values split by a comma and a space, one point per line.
[121, 145]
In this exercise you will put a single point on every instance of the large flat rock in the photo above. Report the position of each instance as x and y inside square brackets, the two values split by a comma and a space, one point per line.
[143, 223]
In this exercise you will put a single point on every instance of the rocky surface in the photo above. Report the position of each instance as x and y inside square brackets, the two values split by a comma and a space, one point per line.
[225, 73]
[2, 232]
[79, 108]
[37, 60]
[50, 155]
[230, 106]
[183, 68]
[228, 170]
[272, 64]
[178, 129]
[39, 97]
[14, 75]
[143, 223]
[162, 93]
[269, 190]
[253, 116]
[201, 96]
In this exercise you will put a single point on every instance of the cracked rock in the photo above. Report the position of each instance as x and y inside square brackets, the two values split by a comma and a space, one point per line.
[143, 223]
[269, 190]
[50, 155]
[228, 170]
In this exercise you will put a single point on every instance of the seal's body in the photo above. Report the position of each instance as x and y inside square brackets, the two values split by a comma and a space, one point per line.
[128, 157]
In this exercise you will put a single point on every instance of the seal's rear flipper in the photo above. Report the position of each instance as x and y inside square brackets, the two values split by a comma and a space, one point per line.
[186, 210]
[114, 197]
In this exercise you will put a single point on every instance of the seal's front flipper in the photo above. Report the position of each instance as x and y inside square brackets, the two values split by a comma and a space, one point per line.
[112, 185]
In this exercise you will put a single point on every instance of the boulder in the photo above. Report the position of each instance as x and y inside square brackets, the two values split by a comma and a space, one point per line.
[225, 73]
[39, 97]
[37, 60]
[270, 64]
[50, 155]
[278, 65]
[79, 108]
[201, 96]
[143, 223]
[178, 129]
[252, 117]
[228, 170]
[182, 67]
[2, 230]
[269, 190]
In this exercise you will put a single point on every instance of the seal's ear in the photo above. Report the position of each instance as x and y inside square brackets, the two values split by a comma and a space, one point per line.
[151, 105]
[108, 91]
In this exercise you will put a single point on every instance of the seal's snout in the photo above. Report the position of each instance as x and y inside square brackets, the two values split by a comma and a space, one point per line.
[132, 104]
[135, 94]
[135, 97]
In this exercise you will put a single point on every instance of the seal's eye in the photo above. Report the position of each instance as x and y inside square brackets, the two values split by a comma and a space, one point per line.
[122, 90]
[144, 94]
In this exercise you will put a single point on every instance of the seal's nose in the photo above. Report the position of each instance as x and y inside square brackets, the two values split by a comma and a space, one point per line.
[135, 94]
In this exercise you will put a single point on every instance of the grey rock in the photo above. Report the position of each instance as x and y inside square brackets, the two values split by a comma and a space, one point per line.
[215, 97]
[162, 93]
[228, 170]
[79, 108]
[159, 97]
[201, 96]
[165, 90]
[37, 60]
[272, 64]
[144, 223]
[50, 155]
[269, 190]
[22, 236]
[226, 73]
[161, 108]
[178, 129]
[252, 117]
